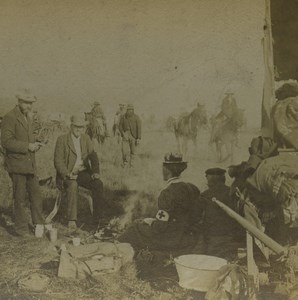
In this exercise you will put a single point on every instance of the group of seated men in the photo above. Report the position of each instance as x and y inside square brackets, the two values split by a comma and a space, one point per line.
[186, 220]
[184, 214]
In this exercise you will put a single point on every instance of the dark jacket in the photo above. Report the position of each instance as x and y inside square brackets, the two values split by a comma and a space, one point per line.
[16, 134]
[65, 155]
[180, 201]
[215, 220]
[131, 124]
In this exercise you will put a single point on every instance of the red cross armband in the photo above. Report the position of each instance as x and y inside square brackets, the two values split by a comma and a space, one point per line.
[162, 215]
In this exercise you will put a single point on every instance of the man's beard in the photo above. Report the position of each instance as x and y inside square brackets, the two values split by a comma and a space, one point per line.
[25, 111]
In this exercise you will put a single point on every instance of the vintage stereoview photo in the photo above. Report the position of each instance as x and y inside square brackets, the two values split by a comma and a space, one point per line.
[148, 149]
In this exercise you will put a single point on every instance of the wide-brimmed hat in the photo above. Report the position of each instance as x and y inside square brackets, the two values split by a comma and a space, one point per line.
[174, 163]
[78, 120]
[215, 171]
[175, 158]
[26, 95]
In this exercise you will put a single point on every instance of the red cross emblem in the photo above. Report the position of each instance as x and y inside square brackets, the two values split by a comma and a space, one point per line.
[162, 215]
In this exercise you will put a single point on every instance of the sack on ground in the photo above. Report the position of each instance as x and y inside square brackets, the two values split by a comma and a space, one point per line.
[94, 259]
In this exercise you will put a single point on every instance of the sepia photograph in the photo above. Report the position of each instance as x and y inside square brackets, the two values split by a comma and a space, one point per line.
[149, 149]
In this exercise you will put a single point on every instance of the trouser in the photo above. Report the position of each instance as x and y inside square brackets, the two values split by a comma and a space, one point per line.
[23, 183]
[95, 186]
[128, 149]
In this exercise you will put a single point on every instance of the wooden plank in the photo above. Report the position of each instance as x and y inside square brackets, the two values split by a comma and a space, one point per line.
[252, 269]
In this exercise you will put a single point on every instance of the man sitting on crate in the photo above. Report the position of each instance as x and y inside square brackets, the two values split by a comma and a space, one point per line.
[77, 164]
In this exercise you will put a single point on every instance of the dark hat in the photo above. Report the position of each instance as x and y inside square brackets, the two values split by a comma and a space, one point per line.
[174, 163]
[287, 90]
[215, 171]
[171, 158]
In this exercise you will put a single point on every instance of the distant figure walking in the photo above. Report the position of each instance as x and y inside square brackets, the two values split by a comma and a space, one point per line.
[120, 112]
[130, 130]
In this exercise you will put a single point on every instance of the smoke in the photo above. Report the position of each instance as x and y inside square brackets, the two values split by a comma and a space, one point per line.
[137, 206]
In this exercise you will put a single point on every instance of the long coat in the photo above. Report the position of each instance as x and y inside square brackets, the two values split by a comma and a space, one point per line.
[130, 124]
[65, 156]
[176, 224]
[16, 134]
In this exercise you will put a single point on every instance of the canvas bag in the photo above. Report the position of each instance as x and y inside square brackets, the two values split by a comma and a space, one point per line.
[94, 259]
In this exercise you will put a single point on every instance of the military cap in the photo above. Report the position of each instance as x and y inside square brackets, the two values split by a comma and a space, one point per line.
[26, 95]
[130, 106]
[78, 120]
[96, 103]
[215, 171]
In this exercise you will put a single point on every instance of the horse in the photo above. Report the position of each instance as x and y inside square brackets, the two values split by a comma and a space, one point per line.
[95, 129]
[186, 128]
[225, 133]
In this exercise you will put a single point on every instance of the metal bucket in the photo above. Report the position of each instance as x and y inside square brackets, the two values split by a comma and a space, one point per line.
[198, 272]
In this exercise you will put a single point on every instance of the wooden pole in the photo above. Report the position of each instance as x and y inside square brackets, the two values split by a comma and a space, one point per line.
[253, 230]
[268, 87]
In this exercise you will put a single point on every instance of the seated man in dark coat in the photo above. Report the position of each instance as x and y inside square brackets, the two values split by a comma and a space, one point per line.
[177, 220]
[219, 228]
[77, 164]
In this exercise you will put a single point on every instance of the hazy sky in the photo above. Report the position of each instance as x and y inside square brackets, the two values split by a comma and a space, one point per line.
[161, 55]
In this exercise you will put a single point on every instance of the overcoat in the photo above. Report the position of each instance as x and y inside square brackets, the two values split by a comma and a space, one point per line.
[16, 134]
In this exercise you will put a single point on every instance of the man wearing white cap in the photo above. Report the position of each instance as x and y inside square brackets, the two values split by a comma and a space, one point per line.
[77, 164]
[19, 143]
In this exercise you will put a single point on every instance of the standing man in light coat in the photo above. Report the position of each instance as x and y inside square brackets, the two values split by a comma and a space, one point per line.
[130, 130]
[19, 144]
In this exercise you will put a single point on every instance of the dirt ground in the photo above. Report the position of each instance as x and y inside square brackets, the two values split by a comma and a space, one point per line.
[130, 194]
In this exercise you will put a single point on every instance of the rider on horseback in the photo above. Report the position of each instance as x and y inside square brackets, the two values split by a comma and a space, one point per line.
[229, 110]
[98, 114]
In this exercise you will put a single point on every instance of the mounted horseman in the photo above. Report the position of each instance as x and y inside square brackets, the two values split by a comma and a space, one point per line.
[225, 127]
[97, 126]
[186, 127]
